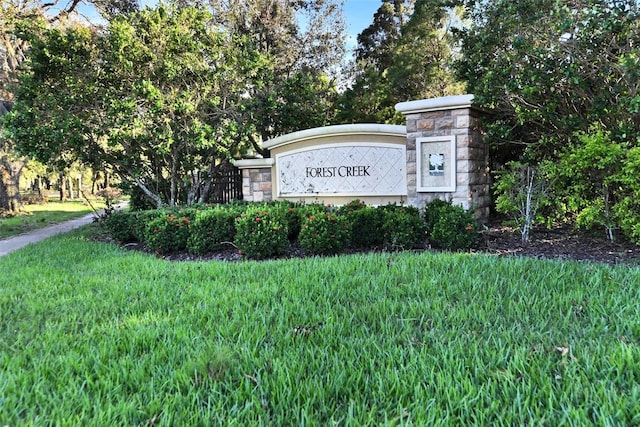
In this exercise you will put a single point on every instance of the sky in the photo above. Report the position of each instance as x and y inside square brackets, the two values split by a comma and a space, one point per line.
[358, 14]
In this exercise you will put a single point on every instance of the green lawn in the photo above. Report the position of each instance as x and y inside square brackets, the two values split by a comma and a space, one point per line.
[91, 334]
[39, 216]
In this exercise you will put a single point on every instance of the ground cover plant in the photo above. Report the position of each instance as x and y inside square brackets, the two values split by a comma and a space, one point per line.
[92, 334]
[42, 215]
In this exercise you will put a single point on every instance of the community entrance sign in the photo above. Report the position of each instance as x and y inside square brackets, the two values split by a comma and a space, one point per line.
[438, 154]
[349, 169]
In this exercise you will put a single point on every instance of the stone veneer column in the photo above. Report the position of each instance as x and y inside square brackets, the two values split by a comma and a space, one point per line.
[256, 179]
[450, 116]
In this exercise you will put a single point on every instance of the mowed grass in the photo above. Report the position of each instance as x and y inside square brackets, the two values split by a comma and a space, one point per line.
[91, 334]
[39, 216]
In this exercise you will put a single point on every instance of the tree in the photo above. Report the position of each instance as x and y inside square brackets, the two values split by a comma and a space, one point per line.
[13, 49]
[561, 80]
[148, 97]
[548, 69]
[422, 59]
[304, 40]
[13, 53]
[109, 9]
[369, 98]
[403, 55]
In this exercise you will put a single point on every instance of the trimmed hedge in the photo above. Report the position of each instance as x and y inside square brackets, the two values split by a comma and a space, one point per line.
[265, 230]
[450, 227]
[403, 227]
[212, 229]
[262, 232]
[323, 232]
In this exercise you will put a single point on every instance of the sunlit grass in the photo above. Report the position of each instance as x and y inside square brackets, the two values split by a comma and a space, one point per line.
[39, 216]
[93, 335]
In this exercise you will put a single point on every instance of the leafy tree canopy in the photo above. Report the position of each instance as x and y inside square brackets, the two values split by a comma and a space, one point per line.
[304, 40]
[560, 78]
[152, 96]
[550, 68]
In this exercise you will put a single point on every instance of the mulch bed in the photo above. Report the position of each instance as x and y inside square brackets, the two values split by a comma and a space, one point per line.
[559, 243]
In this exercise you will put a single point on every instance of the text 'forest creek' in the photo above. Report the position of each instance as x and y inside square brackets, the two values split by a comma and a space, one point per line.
[335, 171]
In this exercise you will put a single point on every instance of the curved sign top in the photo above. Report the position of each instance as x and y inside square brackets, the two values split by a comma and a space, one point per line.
[346, 160]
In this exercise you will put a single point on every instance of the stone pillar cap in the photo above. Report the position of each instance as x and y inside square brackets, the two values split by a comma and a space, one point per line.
[253, 163]
[435, 104]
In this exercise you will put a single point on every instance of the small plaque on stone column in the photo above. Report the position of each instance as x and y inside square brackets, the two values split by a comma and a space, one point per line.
[436, 161]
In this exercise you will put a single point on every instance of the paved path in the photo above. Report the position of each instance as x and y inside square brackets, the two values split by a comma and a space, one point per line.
[18, 242]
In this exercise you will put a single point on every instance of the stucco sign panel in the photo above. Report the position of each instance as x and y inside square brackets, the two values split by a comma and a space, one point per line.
[354, 169]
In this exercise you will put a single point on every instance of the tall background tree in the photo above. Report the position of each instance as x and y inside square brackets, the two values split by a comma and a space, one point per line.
[369, 98]
[304, 40]
[405, 54]
[164, 96]
[422, 61]
[147, 96]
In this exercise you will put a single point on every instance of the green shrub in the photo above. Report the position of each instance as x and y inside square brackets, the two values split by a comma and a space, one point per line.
[168, 232]
[140, 221]
[291, 211]
[352, 206]
[454, 229]
[212, 227]
[403, 227]
[523, 192]
[628, 210]
[432, 212]
[366, 224]
[120, 225]
[323, 232]
[262, 232]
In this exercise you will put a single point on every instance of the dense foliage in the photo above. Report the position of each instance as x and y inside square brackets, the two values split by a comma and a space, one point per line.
[322, 232]
[404, 55]
[560, 79]
[147, 97]
[261, 232]
[14, 51]
[212, 229]
[449, 226]
[166, 96]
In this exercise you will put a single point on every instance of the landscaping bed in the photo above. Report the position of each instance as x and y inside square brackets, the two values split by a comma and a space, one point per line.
[562, 243]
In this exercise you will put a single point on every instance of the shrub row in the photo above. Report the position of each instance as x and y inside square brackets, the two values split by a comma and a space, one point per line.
[267, 230]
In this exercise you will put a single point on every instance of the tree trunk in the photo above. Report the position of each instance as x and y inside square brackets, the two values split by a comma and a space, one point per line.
[94, 180]
[10, 200]
[69, 187]
[63, 190]
[79, 182]
[156, 198]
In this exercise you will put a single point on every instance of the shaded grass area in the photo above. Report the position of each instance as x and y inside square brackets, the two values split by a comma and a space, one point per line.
[92, 334]
[40, 216]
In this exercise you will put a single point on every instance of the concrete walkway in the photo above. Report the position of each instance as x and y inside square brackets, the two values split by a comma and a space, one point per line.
[12, 244]
[18, 242]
